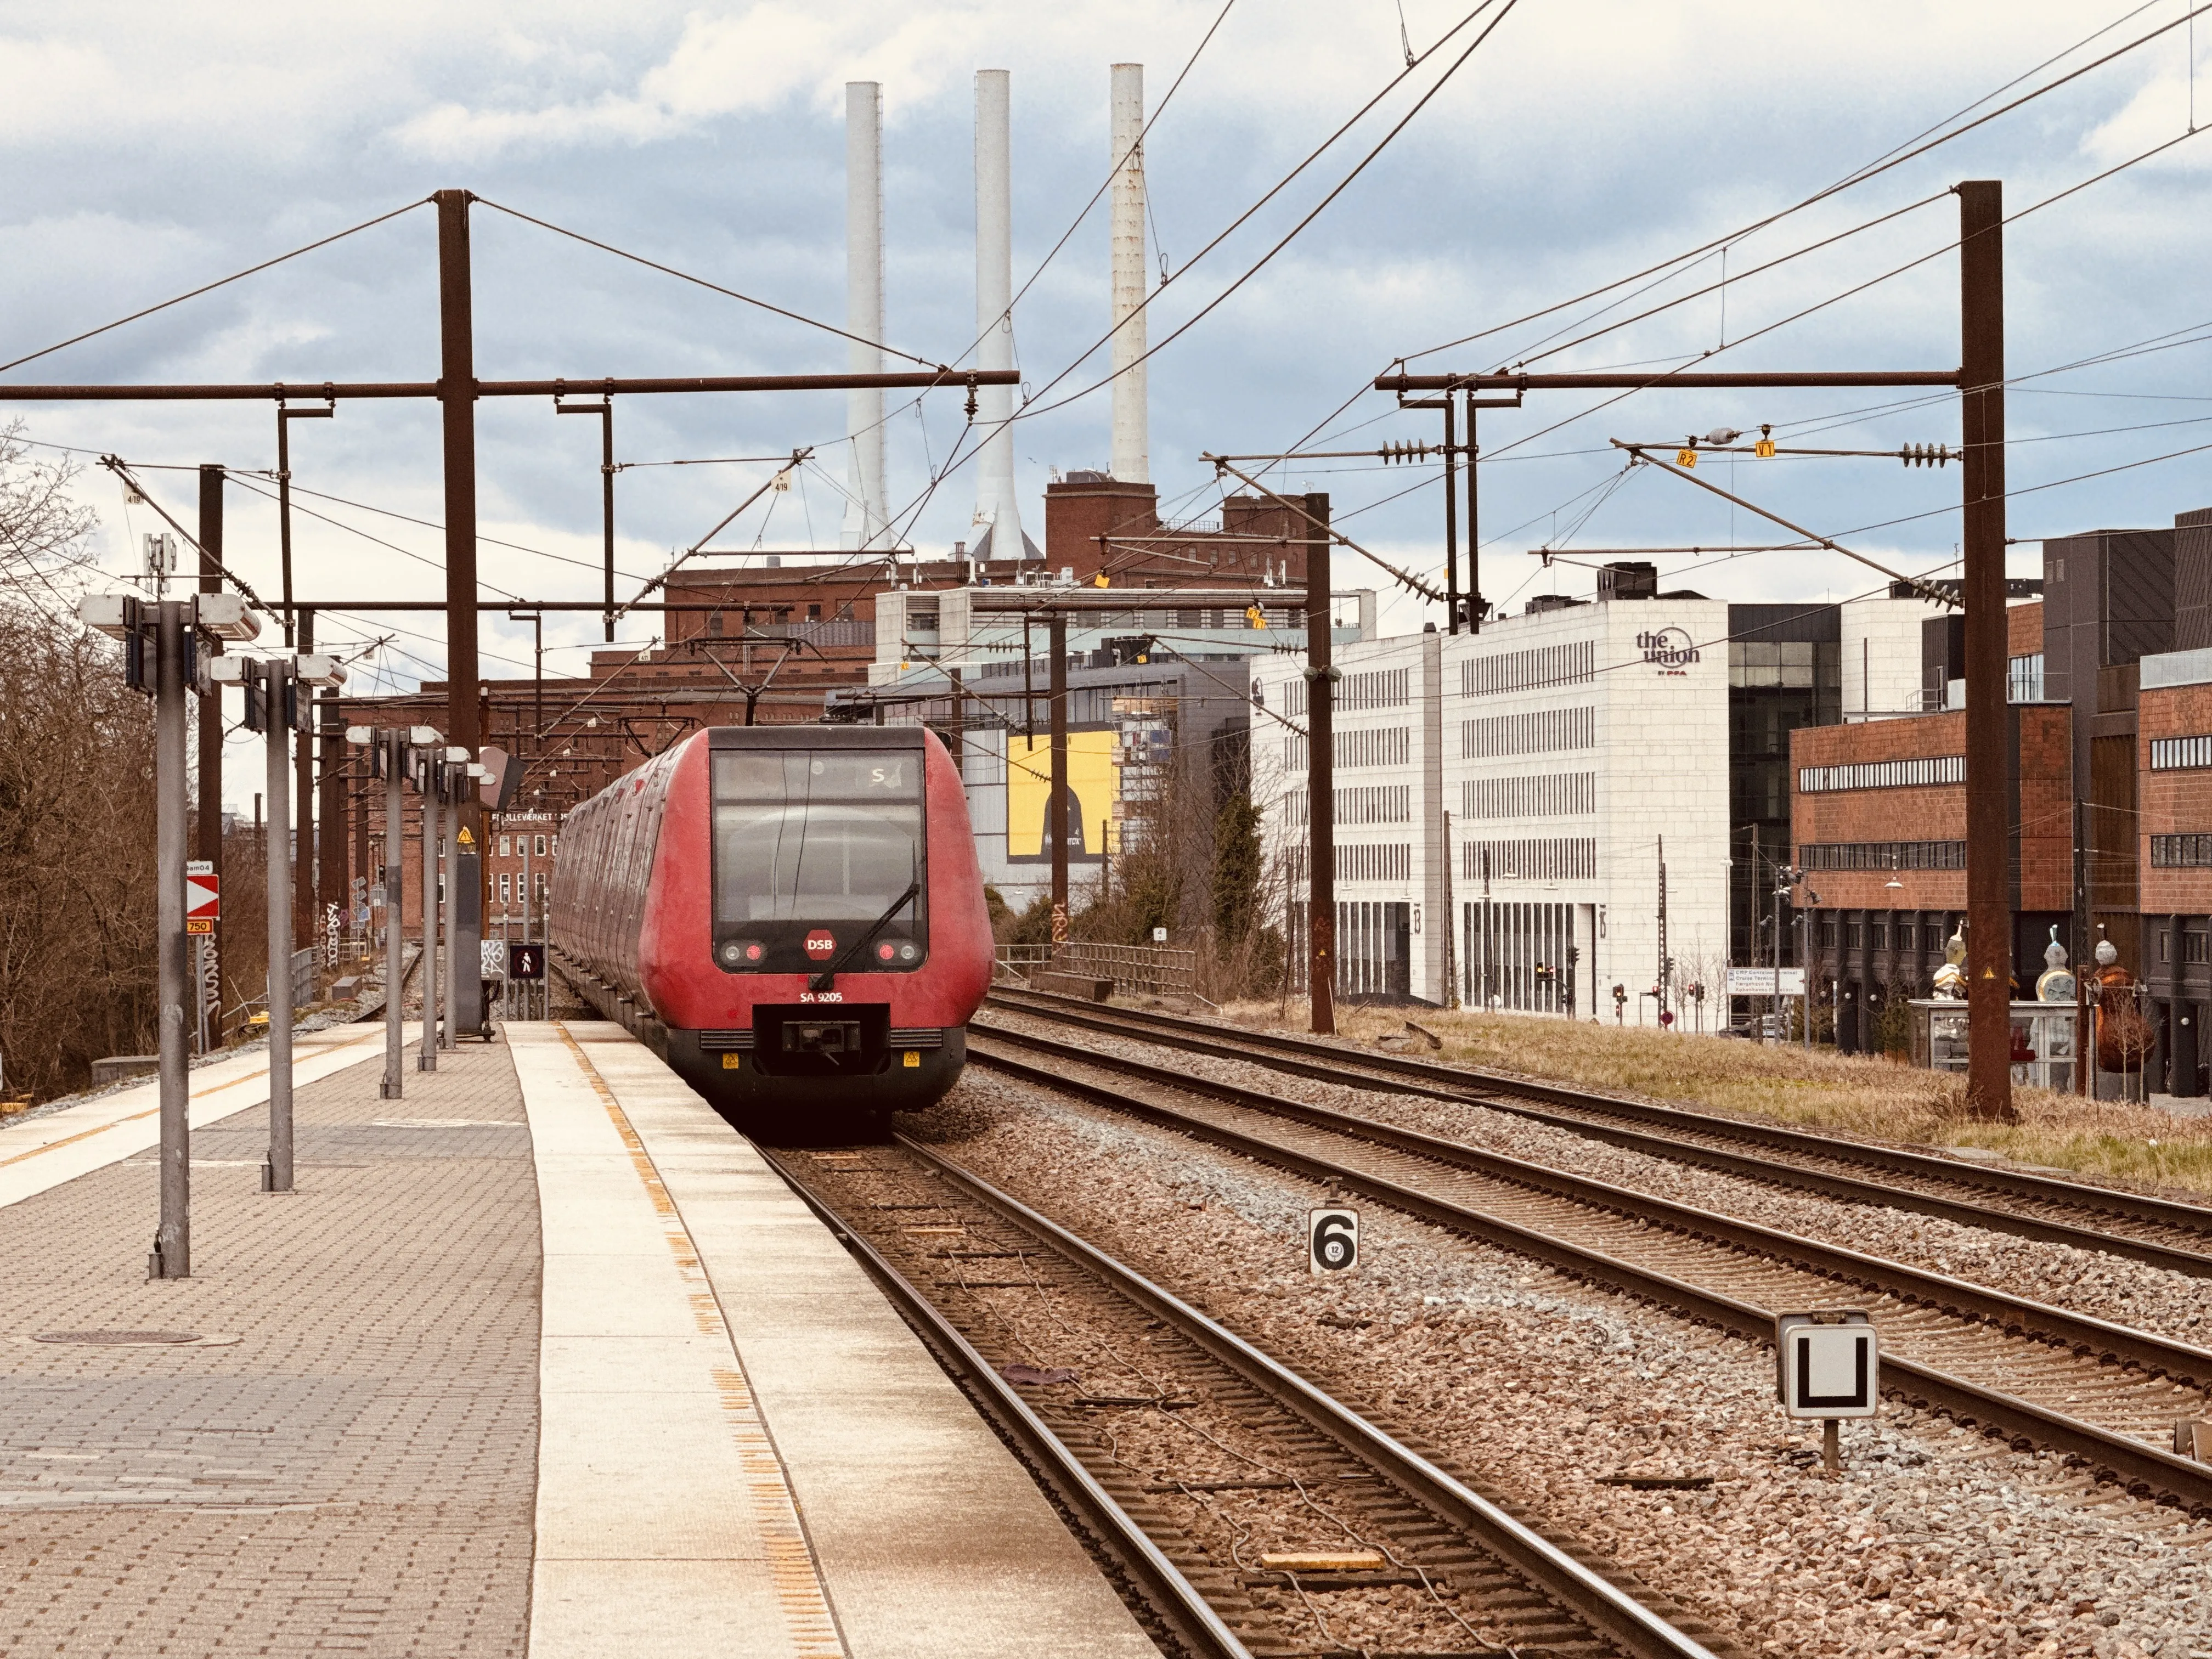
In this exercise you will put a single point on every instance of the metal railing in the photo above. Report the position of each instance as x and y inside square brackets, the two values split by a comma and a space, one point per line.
[1153, 969]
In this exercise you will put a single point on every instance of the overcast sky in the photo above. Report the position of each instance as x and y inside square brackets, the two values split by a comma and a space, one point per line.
[153, 149]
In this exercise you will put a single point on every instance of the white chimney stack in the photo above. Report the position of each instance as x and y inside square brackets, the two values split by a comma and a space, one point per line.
[995, 503]
[1131, 463]
[865, 525]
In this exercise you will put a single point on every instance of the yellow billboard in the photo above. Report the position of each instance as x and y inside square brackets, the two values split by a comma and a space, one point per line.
[1092, 777]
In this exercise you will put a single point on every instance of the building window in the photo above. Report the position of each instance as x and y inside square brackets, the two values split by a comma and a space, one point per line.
[1885, 775]
[506, 846]
[714, 625]
[1884, 855]
[1760, 663]
[1541, 731]
[1828, 933]
[541, 847]
[1880, 935]
[556, 847]
[1384, 688]
[2181, 852]
[506, 889]
[1561, 794]
[814, 613]
[1557, 858]
[1538, 668]
[2180, 754]
[1908, 936]
[2024, 679]
[1854, 936]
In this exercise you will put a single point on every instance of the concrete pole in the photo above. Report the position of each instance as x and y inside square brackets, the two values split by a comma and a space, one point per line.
[171, 1256]
[996, 504]
[1055, 811]
[863, 311]
[277, 678]
[428, 1059]
[1132, 461]
[395, 866]
[458, 938]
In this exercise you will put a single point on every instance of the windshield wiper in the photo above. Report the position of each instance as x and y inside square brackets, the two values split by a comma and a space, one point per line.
[821, 981]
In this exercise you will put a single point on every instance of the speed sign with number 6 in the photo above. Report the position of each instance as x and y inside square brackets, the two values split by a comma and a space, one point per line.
[1331, 1240]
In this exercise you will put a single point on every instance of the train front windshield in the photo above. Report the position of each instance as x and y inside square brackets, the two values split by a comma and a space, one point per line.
[819, 860]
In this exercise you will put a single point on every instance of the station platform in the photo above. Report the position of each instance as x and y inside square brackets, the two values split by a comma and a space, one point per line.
[542, 1360]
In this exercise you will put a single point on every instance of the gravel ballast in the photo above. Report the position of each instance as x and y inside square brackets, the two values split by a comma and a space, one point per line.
[2092, 1282]
[1935, 1540]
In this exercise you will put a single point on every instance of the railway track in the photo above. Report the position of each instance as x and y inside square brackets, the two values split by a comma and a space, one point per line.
[2100, 1394]
[1246, 1511]
[2159, 1232]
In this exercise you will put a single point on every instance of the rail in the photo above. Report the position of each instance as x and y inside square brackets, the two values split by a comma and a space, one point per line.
[1604, 1607]
[2134, 1463]
[2190, 1253]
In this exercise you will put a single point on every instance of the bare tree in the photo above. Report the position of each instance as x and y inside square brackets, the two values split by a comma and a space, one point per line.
[77, 802]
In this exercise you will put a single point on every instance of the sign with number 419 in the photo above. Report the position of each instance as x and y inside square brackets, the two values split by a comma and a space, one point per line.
[1331, 1240]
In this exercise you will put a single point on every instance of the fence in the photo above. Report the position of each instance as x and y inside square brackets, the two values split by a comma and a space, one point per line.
[1153, 969]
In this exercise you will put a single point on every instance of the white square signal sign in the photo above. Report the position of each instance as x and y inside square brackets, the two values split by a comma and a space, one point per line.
[1827, 1364]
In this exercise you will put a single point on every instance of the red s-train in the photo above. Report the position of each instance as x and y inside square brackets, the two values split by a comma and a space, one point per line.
[792, 916]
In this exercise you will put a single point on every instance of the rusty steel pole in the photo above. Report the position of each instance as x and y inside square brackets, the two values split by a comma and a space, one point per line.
[1982, 435]
[302, 849]
[329, 739]
[1056, 811]
[207, 835]
[278, 675]
[456, 391]
[607, 504]
[1451, 513]
[1320, 778]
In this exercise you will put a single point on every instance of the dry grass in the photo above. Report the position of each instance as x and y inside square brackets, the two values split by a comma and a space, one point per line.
[1812, 1088]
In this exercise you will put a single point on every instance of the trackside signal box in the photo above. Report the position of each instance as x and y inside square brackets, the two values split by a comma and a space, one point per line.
[1827, 1364]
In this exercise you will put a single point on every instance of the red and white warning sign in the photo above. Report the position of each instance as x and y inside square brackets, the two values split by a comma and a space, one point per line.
[202, 896]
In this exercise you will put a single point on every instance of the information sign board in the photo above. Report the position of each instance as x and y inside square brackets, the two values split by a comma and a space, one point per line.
[1762, 982]
[202, 896]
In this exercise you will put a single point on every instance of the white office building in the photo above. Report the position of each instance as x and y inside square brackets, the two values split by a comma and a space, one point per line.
[1562, 756]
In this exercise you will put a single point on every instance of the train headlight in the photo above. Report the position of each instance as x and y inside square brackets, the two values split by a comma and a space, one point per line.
[906, 953]
[885, 953]
[733, 953]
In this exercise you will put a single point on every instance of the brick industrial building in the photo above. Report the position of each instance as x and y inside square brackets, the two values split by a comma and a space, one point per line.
[2109, 762]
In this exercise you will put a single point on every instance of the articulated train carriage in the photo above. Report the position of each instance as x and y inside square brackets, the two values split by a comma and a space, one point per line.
[792, 916]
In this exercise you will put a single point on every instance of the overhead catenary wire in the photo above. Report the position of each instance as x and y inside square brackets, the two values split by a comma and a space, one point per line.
[209, 288]
[1911, 150]
[702, 281]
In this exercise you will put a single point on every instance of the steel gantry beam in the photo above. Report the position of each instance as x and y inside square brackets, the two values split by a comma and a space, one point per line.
[1980, 380]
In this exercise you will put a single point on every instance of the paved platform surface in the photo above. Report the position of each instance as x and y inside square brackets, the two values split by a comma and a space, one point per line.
[718, 1440]
[746, 1452]
[347, 1463]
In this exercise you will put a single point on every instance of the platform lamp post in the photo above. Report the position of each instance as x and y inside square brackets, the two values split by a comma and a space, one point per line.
[161, 658]
[390, 754]
[274, 705]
